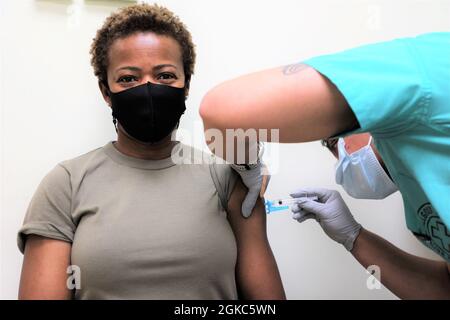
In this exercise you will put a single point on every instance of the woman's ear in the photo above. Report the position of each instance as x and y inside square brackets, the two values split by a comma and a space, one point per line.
[105, 92]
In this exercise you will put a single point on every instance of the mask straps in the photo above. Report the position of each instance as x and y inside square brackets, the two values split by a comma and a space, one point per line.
[370, 141]
[115, 124]
[108, 93]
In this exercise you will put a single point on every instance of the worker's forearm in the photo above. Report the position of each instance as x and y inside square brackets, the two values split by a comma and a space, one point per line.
[302, 104]
[407, 276]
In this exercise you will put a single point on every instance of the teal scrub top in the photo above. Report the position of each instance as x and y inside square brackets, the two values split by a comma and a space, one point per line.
[399, 91]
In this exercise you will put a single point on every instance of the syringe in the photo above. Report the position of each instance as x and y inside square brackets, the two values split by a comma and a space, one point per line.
[283, 204]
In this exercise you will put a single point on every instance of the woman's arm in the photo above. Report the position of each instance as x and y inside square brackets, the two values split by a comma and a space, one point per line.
[407, 276]
[257, 273]
[44, 269]
[296, 99]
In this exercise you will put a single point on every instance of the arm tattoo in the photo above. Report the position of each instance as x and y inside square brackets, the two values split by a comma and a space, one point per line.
[294, 68]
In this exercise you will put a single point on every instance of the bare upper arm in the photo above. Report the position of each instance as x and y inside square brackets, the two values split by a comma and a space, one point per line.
[255, 257]
[246, 229]
[44, 269]
[304, 105]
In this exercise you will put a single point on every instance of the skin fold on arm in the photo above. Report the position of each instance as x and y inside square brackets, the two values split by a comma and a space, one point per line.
[257, 274]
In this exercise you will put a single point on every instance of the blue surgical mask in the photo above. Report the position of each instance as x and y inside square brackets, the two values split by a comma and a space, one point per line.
[361, 174]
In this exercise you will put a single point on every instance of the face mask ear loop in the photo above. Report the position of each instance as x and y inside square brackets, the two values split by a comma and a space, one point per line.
[341, 146]
[108, 93]
[115, 124]
[370, 141]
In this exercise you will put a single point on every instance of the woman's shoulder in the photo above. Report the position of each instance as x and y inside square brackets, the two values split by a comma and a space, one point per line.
[83, 161]
[188, 154]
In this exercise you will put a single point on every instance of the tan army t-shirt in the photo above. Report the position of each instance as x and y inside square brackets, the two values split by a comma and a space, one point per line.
[140, 229]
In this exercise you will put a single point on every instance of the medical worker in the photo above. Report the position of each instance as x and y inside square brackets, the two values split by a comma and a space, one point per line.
[399, 92]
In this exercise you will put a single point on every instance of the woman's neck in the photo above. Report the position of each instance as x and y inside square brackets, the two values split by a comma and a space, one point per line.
[155, 151]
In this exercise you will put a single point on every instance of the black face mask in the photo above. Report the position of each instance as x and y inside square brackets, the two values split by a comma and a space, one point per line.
[148, 112]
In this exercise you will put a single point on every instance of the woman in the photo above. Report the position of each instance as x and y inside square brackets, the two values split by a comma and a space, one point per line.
[129, 220]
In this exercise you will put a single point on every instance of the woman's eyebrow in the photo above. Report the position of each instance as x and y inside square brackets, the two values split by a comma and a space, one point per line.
[161, 66]
[129, 68]
[156, 68]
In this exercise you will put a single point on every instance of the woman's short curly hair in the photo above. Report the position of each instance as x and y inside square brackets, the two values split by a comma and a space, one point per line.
[141, 18]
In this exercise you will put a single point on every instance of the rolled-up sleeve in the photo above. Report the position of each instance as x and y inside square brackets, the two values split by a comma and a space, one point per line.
[49, 211]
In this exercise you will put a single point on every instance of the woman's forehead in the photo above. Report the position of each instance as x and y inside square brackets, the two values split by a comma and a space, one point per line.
[144, 48]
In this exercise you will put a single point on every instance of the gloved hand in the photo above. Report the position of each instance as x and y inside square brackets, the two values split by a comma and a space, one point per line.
[256, 178]
[330, 211]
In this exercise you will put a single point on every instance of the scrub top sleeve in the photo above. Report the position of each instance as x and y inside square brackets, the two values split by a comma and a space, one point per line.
[49, 211]
[381, 82]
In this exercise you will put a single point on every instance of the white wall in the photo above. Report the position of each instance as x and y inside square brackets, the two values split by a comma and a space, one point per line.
[51, 110]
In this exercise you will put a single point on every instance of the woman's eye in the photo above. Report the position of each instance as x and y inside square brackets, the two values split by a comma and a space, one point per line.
[166, 76]
[126, 79]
